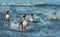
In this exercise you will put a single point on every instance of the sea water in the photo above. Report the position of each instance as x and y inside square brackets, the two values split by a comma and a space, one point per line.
[43, 28]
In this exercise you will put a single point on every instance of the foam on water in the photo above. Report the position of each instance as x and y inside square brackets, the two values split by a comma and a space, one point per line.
[14, 25]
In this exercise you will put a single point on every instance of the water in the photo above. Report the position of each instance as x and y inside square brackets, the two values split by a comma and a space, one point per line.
[43, 28]
[29, 1]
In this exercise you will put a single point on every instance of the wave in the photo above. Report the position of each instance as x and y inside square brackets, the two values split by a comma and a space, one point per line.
[28, 4]
[46, 5]
[13, 4]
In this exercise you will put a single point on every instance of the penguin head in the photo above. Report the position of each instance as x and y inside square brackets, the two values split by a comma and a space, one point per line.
[31, 14]
[24, 15]
[54, 12]
[7, 11]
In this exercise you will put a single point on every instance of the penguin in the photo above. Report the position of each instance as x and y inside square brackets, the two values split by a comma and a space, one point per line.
[54, 16]
[7, 16]
[24, 23]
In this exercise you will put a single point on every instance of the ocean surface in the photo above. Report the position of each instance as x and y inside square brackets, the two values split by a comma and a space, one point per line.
[45, 27]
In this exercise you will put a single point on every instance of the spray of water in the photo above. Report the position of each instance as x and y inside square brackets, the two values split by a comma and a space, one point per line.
[14, 26]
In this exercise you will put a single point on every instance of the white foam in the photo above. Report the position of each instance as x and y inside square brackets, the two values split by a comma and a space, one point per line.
[14, 26]
[29, 27]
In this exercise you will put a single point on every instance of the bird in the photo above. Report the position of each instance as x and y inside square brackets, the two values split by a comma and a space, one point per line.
[7, 16]
[31, 19]
[24, 23]
[54, 16]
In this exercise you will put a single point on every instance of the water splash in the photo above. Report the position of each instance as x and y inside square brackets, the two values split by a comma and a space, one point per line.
[14, 25]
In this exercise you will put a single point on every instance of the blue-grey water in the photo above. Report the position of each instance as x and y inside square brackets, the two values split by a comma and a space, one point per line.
[43, 28]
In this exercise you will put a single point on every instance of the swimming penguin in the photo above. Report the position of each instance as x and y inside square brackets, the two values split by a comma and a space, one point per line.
[24, 23]
[31, 19]
[54, 16]
[7, 17]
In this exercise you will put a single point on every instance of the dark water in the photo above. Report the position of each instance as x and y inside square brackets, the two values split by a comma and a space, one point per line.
[43, 28]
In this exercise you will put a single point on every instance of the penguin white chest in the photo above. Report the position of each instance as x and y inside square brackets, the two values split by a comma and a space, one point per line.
[24, 23]
[54, 17]
[7, 16]
[31, 19]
